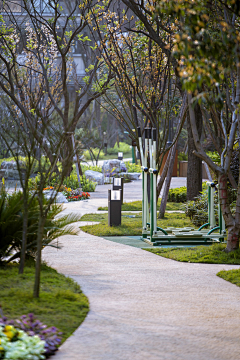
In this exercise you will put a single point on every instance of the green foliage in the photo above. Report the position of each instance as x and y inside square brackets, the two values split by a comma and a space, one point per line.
[133, 167]
[70, 182]
[182, 156]
[130, 226]
[91, 167]
[214, 155]
[11, 225]
[204, 32]
[231, 275]
[197, 210]
[95, 151]
[61, 304]
[178, 195]
[123, 147]
[212, 254]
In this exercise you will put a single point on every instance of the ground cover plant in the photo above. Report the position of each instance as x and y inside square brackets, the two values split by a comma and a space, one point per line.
[212, 254]
[51, 336]
[130, 225]
[61, 304]
[15, 344]
[137, 206]
[232, 276]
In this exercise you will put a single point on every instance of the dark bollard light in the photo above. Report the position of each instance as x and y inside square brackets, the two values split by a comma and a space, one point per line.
[118, 185]
[114, 207]
[120, 156]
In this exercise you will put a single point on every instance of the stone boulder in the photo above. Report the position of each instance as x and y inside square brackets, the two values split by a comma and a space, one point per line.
[123, 167]
[113, 166]
[11, 165]
[2, 173]
[13, 174]
[95, 176]
[60, 198]
[9, 170]
[131, 176]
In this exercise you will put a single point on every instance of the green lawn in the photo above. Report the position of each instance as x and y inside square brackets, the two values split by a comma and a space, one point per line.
[231, 275]
[61, 303]
[130, 226]
[137, 206]
[212, 254]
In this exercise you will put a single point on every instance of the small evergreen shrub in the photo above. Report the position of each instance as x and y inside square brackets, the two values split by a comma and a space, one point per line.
[123, 147]
[178, 195]
[87, 155]
[182, 156]
[131, 168]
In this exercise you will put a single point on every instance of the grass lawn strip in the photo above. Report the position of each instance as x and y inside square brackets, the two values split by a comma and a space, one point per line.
[61, 304]
[212, 254]
[137, 206]
[232, 276]
[130, 226]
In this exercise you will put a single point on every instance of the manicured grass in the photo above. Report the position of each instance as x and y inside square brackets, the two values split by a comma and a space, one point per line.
[137, 206]
[61, 303]
[212, 254]
[231, 275]
[130, 226]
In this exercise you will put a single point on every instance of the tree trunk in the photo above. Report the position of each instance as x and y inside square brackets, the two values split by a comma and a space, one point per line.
[167, 182]
[24, 234]
[38, 257]
[194, 171]
[231, 225]
[162, 176]
[232, 239]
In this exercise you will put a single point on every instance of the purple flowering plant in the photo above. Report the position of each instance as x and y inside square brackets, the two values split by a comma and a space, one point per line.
[32, 326]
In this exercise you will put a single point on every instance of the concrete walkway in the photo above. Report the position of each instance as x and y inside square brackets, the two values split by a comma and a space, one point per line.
[145, 307]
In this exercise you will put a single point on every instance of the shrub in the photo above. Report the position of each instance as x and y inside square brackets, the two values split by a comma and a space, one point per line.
[133, 167]
[91, 167]
[70, 182]
[178, 195]
[182, 156]
[123, 147]
[197, 210]
[87, 155]
[11, 222]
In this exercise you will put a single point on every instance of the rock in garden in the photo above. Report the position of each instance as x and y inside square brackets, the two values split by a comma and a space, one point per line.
[123, 167]
[11, 165]
[113, 166]
[132, 176]
[60, 198]
[13, 174]
[95, 176]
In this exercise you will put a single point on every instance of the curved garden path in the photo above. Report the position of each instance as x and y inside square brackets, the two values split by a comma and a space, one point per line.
[145, 307]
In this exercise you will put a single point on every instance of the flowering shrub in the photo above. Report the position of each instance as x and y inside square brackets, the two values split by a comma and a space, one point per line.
[17, 345]
[31, 326]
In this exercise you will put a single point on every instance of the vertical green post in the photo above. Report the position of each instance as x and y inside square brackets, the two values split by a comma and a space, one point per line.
[151, 205]
[142, 199]
[209, 202]
[133, 155]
